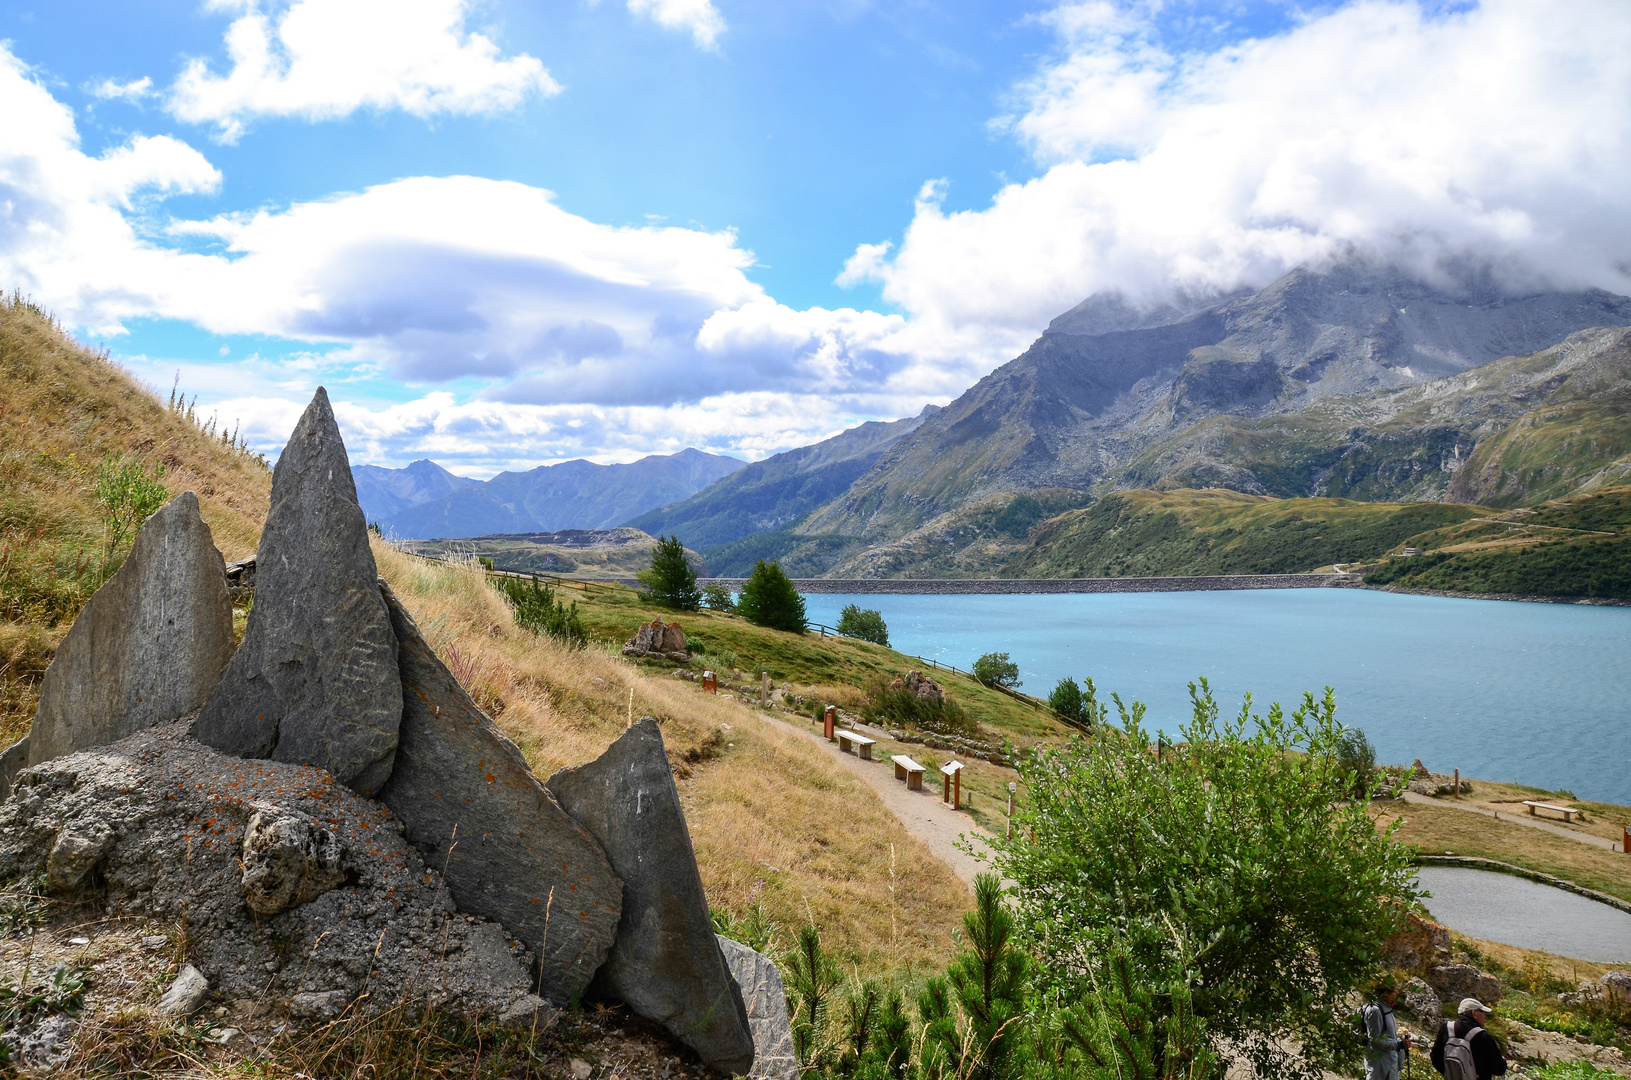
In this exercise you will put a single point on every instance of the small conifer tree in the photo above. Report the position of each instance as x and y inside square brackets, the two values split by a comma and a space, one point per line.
[973, 1018]
[671, 580]
[769, 599]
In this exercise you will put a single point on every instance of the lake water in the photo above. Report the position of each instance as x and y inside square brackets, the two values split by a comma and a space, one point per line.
[1536, 693]
[1515, 911]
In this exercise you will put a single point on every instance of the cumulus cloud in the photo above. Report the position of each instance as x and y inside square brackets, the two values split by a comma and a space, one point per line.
[700, 17]
[325, 59]
[1498, 134]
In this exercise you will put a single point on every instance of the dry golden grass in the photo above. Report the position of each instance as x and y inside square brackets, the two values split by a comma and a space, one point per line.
[63, 407]
[1439, 830]
[1606, 820]
[774, 819]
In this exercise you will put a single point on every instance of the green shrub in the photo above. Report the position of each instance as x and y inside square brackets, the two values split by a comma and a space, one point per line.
[671, 580]
[995, 669]
[538, 610]
[129, 495]
[863, 623]
[769, 599]
[893, 706]
[1355, 754]
[1066, 699]
[718, 598]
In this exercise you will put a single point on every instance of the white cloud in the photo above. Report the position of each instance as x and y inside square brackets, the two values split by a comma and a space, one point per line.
[567, 337]
[325, 59]
[700, 17]
[1499, 134]
[114, 90]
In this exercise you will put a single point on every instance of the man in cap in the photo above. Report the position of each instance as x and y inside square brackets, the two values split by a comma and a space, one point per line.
[1385, 1049]
[1464, 1041]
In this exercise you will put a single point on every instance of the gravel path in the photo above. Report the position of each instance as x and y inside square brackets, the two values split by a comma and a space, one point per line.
[921, 812]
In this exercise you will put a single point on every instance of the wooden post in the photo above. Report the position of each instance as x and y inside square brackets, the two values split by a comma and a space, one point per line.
[829, 722]
[764, 689]
[1625, 844]
[1011, 788]
[710, 682]
[1455, 790]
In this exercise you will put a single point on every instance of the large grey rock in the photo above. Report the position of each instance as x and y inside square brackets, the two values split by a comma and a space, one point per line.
[13, 758]
[666, 964]
[162, 818]
[147, 648]
[471, 806]
[765, 998]
[1457, 981]
[315, 682]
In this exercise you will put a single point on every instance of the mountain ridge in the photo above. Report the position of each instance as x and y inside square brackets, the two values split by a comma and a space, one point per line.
[424, 501]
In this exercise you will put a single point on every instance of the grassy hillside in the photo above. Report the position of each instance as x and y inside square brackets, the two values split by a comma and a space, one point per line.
[1580, 546]
[1158, 533]
[63, 409]
[600, 553]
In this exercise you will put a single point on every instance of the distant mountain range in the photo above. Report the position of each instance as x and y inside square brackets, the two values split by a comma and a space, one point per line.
[424, 501]
[1354, 380]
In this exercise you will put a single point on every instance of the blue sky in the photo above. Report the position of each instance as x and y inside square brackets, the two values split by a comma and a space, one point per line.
[507, 233]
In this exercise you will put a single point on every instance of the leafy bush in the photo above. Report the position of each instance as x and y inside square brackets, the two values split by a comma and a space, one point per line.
[718, 598]
[1356, 755]
[1235, 864]
[129, 495]
[671, 580]
[1076, 704]
[863, 623]
[893, 707]
[995, 669]
[537, 609]
[769, 599]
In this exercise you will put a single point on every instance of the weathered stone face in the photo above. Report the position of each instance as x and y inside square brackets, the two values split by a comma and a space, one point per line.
[315, 682]
[658, 639]
[288, 859]
[666, 964]
[1457, 981]
[519, 859]
[147, 648]
[765, 999]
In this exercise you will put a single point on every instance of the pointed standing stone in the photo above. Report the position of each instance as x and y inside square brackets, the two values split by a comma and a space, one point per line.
[765, 996]
[666, 964]
[315, 681]
[519, 859]
[147, 648]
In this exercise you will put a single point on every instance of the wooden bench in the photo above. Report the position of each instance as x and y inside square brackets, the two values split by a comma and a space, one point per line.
[910, 771]
[1568, 812]
[853, 742]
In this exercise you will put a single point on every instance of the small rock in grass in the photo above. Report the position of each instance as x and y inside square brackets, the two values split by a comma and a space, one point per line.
[580, 1069]
[186, 994]
[323, 1005]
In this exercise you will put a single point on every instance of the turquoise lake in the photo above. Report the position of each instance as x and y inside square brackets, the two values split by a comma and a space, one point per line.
[1536, 693]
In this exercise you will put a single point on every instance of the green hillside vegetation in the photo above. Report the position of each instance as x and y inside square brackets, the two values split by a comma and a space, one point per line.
[1162, 533]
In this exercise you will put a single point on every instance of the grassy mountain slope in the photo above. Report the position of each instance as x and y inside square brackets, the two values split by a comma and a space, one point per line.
[1574, 547]
[63, 409]
[1158, 533]
[771, 494]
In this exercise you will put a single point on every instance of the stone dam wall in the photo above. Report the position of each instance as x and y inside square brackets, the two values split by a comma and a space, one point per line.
[950, 586]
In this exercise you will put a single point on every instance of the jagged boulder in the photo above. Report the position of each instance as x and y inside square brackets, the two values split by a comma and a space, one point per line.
[288, 859]
[155, 825]
[920, 686]
[1421, 1001]
[765, 998]
[1415, 945]
[666, 963]
[147, 648]
[1456, 981]
[471, 806]
[315, 681]
[658, 640]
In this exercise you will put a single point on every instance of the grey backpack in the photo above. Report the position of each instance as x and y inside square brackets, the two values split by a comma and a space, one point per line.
[1458, 1055]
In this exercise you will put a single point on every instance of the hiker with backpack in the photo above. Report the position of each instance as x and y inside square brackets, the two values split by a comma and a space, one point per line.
[1385, 1049]
[1464, 1050]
